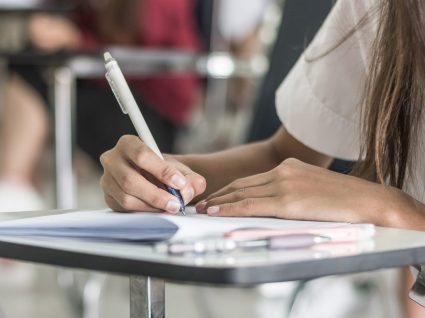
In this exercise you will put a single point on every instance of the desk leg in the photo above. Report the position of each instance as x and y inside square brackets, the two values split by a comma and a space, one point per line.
[3, 80]
[147, 297]
[63, 101]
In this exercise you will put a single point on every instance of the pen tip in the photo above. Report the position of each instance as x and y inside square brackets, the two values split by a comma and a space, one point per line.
[107, 56]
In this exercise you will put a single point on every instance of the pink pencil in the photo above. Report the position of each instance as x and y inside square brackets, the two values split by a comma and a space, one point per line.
[338, 234]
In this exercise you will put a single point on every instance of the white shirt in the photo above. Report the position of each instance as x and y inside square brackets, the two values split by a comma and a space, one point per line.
[238, 18]
[319, 102]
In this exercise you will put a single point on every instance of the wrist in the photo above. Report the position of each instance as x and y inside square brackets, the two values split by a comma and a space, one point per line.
[401, 210]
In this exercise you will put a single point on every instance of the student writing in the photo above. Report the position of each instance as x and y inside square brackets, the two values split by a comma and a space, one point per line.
[356, 93]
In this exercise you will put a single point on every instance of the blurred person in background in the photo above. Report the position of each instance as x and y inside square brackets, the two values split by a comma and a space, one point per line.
[234, 27]
[241, 32]
[169, 100]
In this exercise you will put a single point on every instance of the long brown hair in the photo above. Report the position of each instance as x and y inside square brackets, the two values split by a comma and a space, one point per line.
[395, 92]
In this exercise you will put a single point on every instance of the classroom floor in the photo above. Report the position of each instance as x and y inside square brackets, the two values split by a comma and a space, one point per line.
[42, 297]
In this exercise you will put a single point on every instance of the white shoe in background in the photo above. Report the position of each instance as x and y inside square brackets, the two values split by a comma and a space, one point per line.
[14, 197]
[16, 275]
[19, 196]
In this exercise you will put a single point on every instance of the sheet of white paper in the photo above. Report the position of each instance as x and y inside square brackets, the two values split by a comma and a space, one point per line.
[195, 225]
[106, 225]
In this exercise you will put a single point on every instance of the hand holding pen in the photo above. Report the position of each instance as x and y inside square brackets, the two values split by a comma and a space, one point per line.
[136, 176]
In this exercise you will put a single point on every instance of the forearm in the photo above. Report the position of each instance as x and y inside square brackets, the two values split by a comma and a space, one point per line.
[402, 211]
[223, 167]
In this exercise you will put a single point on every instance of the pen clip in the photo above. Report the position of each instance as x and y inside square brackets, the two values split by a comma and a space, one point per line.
[115, 91]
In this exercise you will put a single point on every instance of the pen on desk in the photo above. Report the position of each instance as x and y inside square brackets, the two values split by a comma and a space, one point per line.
[337, 234]
[129, 106]
[223, 245]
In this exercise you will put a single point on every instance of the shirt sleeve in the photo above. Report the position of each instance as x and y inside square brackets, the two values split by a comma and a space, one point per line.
[320, 100]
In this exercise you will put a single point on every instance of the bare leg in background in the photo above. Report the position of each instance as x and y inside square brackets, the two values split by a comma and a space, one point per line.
[24, 129]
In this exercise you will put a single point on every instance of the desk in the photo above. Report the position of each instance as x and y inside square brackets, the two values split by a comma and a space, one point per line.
[148, 269]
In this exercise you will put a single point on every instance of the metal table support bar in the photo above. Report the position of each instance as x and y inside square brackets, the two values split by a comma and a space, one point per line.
[3, 81]
[64, 98]
[147, 297]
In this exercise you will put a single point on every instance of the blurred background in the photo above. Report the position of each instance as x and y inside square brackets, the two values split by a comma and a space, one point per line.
[205, 73]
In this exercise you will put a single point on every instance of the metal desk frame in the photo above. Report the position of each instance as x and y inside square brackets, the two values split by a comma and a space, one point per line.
[149, 269]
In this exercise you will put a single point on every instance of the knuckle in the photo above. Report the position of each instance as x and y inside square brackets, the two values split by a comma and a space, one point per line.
[248, 204]
[142, 156]
[168, 171]
[126, 142]
[201, 184]
[126, 201]
[291, 161]
[235, 185]
[104, 158]
[111, 203]
[158, 202]
[240, 194]
[124, 139]
[284, 170]
[228, 208]
[211, 203]
[127, 183]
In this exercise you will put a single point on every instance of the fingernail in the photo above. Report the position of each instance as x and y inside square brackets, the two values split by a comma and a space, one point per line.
[173, 206]
[188, 195]
[200, 207]
[178, 181]
[213, 210]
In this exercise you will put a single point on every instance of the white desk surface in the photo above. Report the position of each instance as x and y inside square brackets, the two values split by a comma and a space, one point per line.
[389, 248]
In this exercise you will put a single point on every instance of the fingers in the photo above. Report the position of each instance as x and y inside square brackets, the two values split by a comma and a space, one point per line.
[120, 201]
[196, 185]
[134, 150]
[265, 191]
[238, 190]
[244, 183]
[134, 175]
[134, 193]
[110, 201]
[247, 207]
[114, 205]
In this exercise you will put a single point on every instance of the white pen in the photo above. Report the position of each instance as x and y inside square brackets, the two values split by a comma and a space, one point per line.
[129, 106]
[225, 245]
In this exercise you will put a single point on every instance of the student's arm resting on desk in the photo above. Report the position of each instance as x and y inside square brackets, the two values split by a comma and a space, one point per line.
[296, 190]
[130, 165]
[306, 191]
[258, 179]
